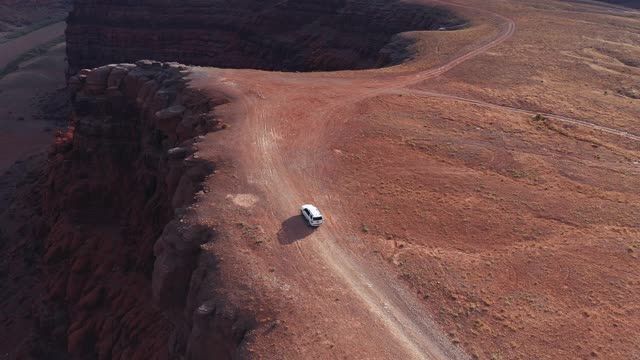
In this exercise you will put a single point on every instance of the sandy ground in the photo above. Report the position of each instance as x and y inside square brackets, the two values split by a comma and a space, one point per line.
[24, 128]
[459, 224]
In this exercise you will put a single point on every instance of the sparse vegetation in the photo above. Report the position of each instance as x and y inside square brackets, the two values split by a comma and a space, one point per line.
[243, 225]
[631, 93]
[540, 117]
[517, 174]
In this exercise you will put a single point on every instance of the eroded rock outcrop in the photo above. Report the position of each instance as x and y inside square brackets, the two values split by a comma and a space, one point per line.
[305, 35]
[120, 253]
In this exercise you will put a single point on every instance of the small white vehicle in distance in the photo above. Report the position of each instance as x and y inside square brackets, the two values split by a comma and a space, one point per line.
[312, 215]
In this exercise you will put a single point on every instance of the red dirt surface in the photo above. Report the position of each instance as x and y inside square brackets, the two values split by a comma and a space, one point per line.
[457, 223]
[480, 201]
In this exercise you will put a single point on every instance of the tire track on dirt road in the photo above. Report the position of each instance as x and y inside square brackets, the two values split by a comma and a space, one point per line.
[401, 314]
[272, 162]
[561, 118]
[268, 162]
[389, 304]
[507, 31]
[324, 120]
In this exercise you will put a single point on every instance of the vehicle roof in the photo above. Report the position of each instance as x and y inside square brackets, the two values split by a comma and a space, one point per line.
[314, 210]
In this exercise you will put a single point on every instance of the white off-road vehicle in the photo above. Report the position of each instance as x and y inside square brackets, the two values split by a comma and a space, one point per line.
[312, 215]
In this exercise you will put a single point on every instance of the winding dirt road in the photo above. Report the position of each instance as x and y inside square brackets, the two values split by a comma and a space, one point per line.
[13, 48]
[561, 118]
[286, 122]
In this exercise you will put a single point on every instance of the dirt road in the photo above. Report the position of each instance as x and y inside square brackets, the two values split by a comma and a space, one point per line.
[284, 154]
[561, 118]
[284, 123]
[12, 49]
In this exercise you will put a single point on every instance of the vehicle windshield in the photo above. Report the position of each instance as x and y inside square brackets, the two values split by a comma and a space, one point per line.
[317, 218]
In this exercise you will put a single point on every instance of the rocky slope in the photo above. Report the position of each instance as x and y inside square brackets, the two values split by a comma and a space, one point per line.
[273, 35]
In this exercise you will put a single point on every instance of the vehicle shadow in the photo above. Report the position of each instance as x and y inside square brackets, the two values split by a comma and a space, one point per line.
[294, 229]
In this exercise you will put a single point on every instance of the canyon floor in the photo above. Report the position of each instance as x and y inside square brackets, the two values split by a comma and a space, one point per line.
[32, 78]
[480, 200]
[20, 18]
[33, 104]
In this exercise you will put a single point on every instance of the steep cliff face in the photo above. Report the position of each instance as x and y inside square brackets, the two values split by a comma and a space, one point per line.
[119, 184]
[21, 231]
[305, 35]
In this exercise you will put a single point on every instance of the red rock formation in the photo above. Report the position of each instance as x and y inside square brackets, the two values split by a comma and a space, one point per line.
[303, 35]
[118, 181]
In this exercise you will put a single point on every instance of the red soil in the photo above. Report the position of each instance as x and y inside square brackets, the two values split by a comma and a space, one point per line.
[510, 231]
[457, 223]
